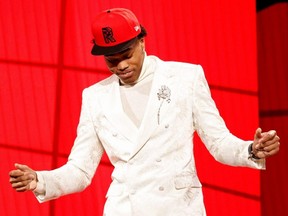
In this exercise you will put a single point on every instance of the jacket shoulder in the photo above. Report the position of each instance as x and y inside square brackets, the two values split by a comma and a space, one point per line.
[184, 69]
[102, 85]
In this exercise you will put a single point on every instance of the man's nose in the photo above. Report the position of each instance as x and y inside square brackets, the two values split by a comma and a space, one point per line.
[123, 65]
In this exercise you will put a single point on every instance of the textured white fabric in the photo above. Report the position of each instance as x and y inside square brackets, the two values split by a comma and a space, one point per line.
[134, 98]
[154, 164]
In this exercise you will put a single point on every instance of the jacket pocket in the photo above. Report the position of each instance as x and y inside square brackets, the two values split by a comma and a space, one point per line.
[187, 181]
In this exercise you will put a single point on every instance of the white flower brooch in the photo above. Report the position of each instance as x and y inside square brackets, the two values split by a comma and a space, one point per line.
[163, 95]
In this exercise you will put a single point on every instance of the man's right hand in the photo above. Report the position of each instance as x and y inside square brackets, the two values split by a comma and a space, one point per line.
[23, 178]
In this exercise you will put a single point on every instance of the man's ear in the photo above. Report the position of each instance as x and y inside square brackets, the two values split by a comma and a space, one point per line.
[142, 43]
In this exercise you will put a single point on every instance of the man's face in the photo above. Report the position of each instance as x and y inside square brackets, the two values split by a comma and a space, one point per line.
[127, 64]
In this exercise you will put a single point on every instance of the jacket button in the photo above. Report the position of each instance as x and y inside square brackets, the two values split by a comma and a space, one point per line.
[114, 134]
[167, 126]
[158, 160]
[161, 188]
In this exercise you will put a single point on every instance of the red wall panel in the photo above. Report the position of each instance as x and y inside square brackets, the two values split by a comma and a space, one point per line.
[29, 30]
[45, 63]
[272, 30]
[27, 99]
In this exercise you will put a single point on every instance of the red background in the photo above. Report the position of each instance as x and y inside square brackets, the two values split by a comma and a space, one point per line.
[45, 63]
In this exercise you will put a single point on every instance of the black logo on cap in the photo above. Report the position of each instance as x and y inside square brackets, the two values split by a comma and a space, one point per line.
[108, 35]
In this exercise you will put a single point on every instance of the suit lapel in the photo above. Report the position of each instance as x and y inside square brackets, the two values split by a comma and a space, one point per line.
[113, 110]
[150, 120]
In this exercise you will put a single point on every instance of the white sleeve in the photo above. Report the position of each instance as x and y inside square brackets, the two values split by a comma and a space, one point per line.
[224, 146]
[77, 173]
[40, 189]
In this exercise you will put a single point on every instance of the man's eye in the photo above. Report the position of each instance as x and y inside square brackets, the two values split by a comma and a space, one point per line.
[112, 61]
[115, 61]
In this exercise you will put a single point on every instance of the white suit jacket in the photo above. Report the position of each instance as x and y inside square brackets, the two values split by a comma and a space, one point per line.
[154, 170]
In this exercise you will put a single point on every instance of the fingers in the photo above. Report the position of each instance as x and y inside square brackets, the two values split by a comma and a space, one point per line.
[16, 173]
[14, 179]
[265, 144]
[270, 143]
[267, 139]
[265, 154]
[22, 189]
[23, 183]
[23, 178]
[268, 136]
[22, 167]
[258, 133]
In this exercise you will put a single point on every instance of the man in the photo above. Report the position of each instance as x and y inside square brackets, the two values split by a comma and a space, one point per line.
[144, 117]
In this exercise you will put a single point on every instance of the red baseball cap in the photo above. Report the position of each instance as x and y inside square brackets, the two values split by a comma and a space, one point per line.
[114, 30]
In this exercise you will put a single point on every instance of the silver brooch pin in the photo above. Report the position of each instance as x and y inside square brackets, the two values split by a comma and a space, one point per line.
[163, 95]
